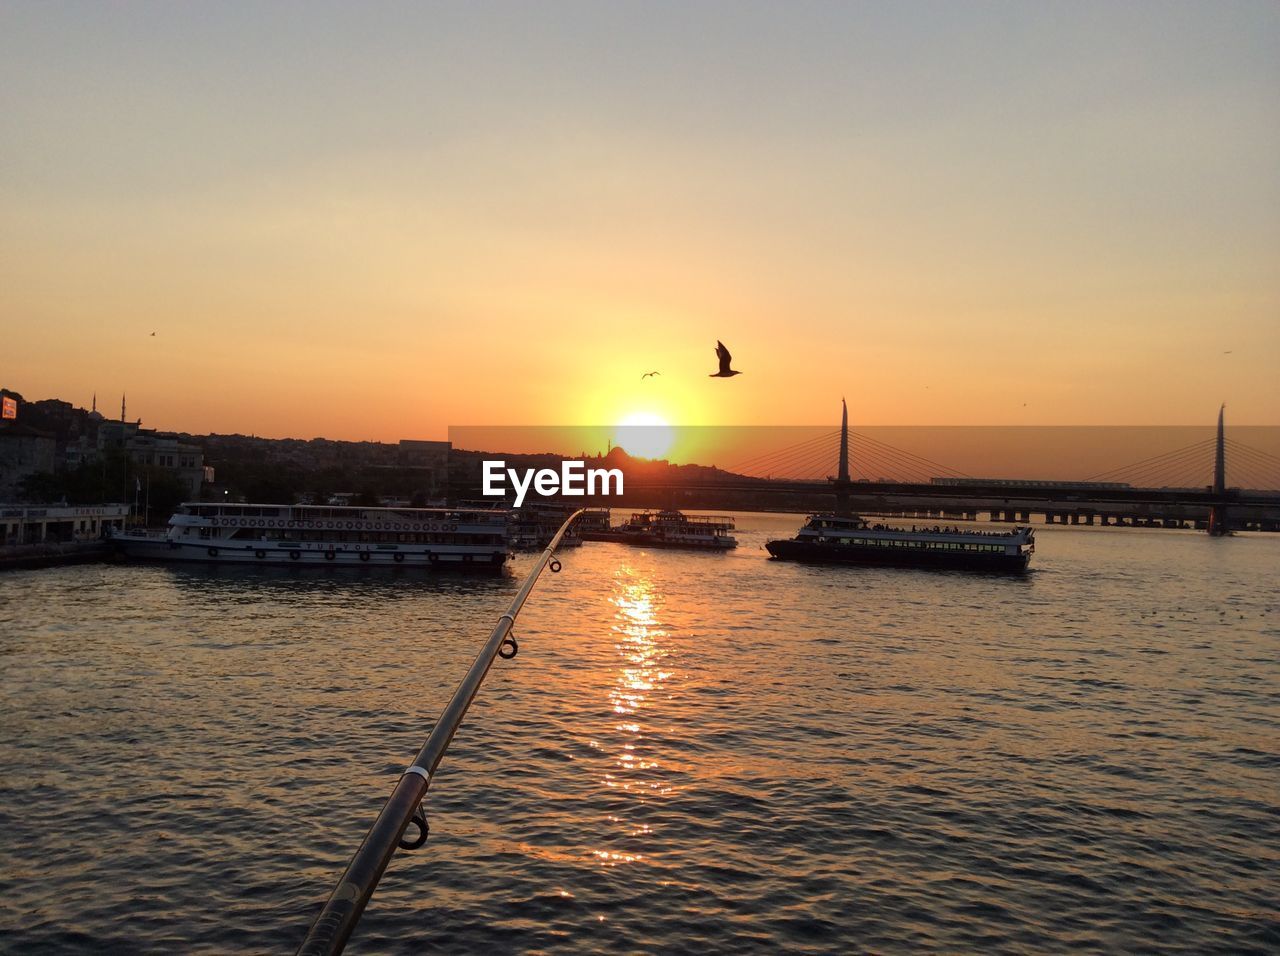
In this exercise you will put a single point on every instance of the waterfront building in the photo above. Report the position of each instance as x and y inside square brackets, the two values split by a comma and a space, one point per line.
[59, 524]
[151, 449]
[24, 451]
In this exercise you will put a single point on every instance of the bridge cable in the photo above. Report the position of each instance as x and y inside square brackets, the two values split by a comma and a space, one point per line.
[1240, 446]
[1171, 466]
[899, 463]
[782, 455]
[1114, 472]
[929, 463]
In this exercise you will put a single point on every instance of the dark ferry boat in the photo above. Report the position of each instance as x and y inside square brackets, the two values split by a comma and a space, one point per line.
[831, 539]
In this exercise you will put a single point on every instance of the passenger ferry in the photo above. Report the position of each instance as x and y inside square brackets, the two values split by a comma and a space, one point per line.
[832, 539]
[535, 524]
[300, 535]
[669, 529]
[593, 521]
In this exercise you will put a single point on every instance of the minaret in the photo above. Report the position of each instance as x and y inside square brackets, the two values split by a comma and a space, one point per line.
[122, 408]
[95, 402]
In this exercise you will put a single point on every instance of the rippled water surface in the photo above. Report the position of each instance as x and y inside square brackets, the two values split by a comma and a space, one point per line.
[691, 752]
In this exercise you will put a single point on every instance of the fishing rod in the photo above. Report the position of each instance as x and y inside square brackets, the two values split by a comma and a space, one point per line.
[332, 928]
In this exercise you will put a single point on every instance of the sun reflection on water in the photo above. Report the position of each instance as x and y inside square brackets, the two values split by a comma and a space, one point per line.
[640, 641]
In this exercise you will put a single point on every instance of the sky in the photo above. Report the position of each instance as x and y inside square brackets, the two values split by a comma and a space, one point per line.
[374, 221]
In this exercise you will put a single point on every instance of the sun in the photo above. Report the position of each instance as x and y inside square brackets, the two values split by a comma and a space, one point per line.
[644, 435]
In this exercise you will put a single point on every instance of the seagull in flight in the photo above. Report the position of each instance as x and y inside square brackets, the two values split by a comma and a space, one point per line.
[647, 374]
[725, 358]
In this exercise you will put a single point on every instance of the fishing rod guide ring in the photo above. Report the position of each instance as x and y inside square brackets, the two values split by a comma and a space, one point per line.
[419, 819]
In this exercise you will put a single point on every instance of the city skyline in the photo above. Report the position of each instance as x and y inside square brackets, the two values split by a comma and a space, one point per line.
[1163, 454]
[373, 223]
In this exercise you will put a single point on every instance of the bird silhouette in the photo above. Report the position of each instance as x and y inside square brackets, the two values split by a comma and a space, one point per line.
[153, 335]
[725, 358]
[647, 374]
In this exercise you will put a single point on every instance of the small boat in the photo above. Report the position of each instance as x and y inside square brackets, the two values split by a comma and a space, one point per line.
[592, 521]
[835, 539]
[300, 535]
[669, 529]
[534, 525]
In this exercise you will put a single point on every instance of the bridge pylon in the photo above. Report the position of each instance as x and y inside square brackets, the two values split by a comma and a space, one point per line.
[1219, 524]
[842, 476]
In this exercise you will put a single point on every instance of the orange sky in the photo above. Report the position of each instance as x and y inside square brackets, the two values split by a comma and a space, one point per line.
[376, 222]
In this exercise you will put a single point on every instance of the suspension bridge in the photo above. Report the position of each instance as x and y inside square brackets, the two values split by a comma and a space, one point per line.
[1186, 487]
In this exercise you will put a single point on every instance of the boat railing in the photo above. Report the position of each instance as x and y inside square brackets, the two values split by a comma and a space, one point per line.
[679, 520]
[701, 526]
[332, 928]
[951, 531]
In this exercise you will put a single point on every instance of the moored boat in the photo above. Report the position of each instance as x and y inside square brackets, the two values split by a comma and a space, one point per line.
[669, 529]
[298, 535]
[534, 525]
[835, 539]
[592, 521]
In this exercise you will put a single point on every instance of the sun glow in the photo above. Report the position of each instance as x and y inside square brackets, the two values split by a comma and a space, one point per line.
[644, 435]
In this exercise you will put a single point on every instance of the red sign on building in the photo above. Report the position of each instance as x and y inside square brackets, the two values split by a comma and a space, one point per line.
[8, 407]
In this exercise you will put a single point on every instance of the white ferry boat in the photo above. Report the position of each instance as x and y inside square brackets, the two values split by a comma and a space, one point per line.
[670, 529]
[833, 539]
[300, 535]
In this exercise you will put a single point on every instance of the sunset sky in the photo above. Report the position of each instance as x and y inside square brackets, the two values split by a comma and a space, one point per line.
[374, 220]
